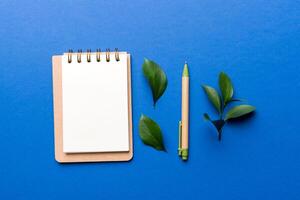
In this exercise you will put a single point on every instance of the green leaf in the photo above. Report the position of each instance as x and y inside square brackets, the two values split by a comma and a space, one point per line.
[156, 77]
[219, 126]
[206, 117]
[213, 96]
[239, 111]
[150, 133]
[233, 100]
[226, 87]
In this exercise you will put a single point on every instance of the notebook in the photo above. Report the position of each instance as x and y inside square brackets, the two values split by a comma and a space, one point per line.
[92, 106]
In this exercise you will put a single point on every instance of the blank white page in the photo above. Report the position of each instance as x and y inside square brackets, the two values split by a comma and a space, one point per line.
[95, 104]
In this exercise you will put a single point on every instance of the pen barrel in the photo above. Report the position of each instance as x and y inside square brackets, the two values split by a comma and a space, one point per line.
[185, 113]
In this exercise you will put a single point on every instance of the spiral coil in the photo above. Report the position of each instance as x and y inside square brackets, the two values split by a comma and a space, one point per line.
[89, 52]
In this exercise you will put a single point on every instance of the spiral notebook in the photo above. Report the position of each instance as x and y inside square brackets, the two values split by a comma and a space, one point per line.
[92, 106]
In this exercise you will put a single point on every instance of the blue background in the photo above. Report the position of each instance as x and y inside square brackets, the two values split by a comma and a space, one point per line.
[256, 42]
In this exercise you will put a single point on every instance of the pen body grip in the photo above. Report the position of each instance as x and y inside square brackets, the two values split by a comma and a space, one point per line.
[185, 113]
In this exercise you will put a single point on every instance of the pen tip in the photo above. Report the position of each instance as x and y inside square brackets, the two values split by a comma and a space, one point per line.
[185, 70]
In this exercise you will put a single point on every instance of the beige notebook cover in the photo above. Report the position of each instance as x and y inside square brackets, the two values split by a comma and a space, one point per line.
[111, 144]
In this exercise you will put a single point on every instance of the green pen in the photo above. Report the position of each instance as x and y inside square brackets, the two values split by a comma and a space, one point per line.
[184, 123]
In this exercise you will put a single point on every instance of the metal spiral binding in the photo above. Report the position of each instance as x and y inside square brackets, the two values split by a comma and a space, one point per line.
[98, 55]
[79, 55]
[88, 55]
[117, 55]
[107, 55]
[70, 55]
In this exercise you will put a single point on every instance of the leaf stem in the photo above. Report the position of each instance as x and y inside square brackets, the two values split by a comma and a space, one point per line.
[222, 109]
[220, 136]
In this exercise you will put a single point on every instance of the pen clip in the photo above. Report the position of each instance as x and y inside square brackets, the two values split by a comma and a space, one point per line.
[179, 138]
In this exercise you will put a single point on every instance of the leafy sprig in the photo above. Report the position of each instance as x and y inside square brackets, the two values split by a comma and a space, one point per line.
[220, 103]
